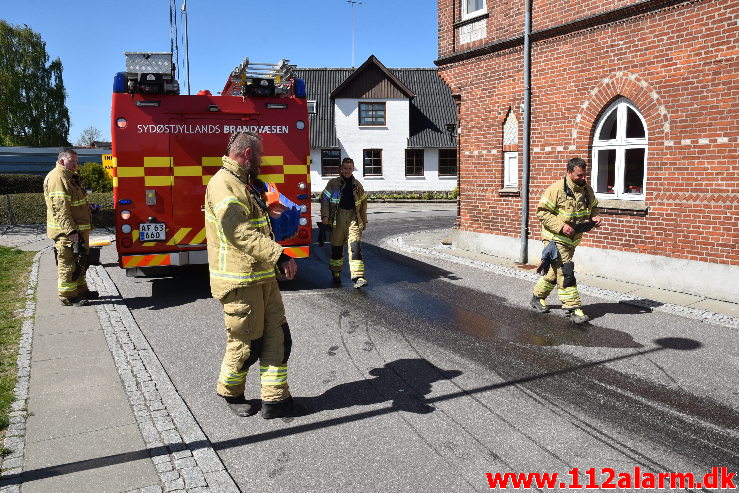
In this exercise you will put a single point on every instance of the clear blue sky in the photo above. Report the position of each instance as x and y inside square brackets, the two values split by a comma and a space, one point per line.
[90, 38]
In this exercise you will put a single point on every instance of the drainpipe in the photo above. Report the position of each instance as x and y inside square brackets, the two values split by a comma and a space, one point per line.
[524, 253]
[457, 97]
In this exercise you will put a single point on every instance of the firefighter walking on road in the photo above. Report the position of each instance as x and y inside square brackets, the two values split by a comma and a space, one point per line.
[243, 260]
[566, 210]
[68, 223]
[344, 208]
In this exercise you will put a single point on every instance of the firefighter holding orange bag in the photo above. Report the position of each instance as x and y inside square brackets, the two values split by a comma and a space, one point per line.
[244, 260]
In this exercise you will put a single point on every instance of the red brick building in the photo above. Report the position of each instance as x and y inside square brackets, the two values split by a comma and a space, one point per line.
[647, 91]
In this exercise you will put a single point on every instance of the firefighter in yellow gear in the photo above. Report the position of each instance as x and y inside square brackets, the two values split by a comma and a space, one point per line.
[244, 260]
[567, 208]
[344, 208]
[68, 222]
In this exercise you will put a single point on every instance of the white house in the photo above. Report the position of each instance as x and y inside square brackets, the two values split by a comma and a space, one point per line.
[397, 124]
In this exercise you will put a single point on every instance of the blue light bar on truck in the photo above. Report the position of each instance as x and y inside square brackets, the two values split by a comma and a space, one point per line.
[119, 82]
[300, 88]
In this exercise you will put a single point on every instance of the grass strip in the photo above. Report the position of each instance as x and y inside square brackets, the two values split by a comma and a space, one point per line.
[15, 267]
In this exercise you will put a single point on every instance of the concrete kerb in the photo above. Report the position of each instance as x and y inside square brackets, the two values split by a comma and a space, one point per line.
[399, 244]
[15, 437]
[182, 454]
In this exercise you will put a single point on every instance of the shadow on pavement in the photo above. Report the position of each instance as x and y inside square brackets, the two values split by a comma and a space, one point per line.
[418, 373]
[405, 382]
[185, 285]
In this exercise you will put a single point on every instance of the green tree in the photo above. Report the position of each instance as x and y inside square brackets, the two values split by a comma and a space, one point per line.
[32, 95]
[95, 178]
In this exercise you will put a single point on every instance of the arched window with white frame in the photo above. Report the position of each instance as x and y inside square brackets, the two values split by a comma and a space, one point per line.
[619, 161]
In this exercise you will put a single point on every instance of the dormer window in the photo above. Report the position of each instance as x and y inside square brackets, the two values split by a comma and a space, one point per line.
[372, 114]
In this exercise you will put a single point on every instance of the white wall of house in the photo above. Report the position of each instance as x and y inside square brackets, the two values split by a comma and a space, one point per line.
[392, 139]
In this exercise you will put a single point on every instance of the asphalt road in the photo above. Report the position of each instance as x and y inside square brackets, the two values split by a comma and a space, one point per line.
[437, 373]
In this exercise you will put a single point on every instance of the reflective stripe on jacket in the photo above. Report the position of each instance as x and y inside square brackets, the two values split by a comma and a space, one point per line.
[241, 251]
[562, 204]
[67, 209]
[331, 197]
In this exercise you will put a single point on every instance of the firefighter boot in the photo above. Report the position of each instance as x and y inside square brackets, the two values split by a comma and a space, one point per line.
[360, 282]
[240, 407]
[336, 277]
[539, 304]
[73, 301]
[90, 295]
[286, 408]
[577, 316]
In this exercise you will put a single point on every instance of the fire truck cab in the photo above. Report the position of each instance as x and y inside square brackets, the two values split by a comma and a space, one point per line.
[166, 147]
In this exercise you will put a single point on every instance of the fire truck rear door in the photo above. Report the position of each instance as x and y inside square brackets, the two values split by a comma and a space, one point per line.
[196, 157]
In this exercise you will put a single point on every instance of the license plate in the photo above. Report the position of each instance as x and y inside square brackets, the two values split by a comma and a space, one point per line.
[152, 232]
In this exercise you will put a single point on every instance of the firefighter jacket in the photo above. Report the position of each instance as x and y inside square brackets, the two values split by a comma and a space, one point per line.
[241, 251]
[565, 202]
[331, 197]
[67, 209]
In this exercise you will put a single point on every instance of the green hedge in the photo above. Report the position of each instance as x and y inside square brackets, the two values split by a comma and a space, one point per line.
[406, 195]
[95, 178]
[21, 184]
[30, 208]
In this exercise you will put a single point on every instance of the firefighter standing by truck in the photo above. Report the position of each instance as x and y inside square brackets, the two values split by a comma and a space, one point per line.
[68, 223]
[344, 208]
[567, 209]
[243, 260]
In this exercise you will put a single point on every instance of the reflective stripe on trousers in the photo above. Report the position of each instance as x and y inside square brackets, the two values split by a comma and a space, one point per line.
[555, 276]
[254, 317]
[347, 230]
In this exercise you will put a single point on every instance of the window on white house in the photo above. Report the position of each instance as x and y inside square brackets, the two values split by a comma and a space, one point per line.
[447, 162]
[619, 169]
[311, 107]
[330, 162]
[372, 114]
[372, 162]
[510, 170]
[414, 162]
[471, 8]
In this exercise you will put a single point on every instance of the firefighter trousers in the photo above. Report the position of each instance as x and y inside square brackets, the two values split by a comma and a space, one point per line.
[71, 278]
[561, 273]
[256, 329]
[346, 228]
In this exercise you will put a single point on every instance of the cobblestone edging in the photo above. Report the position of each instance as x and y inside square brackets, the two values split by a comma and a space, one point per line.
[15, 437]
[398, 243]
[182, 455]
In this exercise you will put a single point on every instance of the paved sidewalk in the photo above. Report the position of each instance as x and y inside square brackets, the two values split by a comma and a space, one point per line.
[96, 412]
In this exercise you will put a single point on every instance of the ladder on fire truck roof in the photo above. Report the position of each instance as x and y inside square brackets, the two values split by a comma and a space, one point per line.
[248, 71]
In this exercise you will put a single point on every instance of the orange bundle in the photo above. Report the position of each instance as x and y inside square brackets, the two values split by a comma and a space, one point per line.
[272, 194]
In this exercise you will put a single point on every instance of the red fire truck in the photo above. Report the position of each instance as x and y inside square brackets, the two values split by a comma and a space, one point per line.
[166, 147]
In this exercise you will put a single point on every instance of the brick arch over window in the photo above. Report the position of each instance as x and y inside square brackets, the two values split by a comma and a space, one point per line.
[612, 87]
